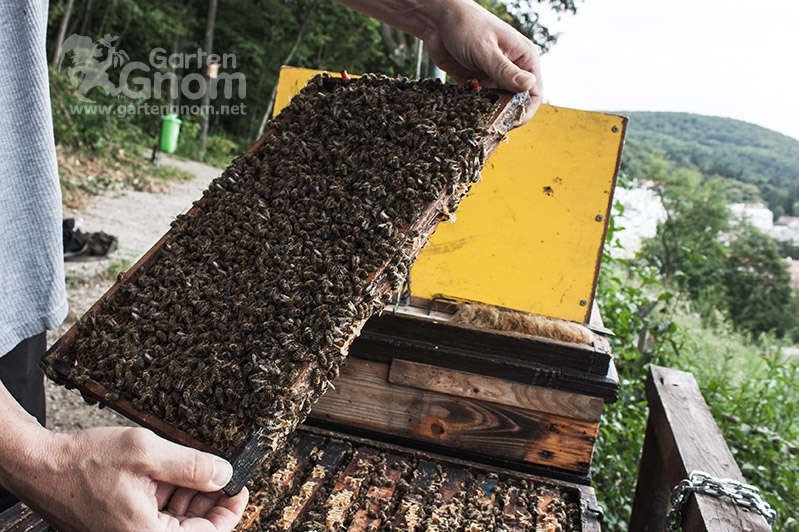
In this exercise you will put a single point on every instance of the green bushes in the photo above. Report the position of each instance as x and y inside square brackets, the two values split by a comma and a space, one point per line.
[751, 386]
[219, 151]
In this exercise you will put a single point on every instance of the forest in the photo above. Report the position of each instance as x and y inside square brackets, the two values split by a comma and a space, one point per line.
[261, 35]
[755, 164]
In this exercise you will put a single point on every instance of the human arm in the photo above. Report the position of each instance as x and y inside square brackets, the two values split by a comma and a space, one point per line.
[466, 41]
[112, 479]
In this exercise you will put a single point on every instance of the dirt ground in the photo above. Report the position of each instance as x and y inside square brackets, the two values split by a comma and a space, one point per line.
[138, 220]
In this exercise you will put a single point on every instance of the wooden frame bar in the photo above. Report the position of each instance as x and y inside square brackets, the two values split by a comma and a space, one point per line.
[682, 436]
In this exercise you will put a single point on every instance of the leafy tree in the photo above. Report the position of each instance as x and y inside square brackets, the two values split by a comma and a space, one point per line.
[758, 284]
[687, 248]
[261, 34]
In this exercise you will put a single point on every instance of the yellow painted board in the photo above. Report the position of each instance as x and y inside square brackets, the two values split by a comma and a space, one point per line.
[530, 235]
[291, 80]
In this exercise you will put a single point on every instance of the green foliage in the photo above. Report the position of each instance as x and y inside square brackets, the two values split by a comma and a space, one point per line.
[758, 284]
[219, 150]
[634, 306]
[260, 34]
[687, 248]
[757, 418]
[739, 151]
[78, 124]
[753, 391]
[745, 280]
[118, 266]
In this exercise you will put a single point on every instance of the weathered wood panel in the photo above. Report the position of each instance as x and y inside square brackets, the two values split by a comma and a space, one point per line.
[364, 398]
[509, 345]
[493, 390]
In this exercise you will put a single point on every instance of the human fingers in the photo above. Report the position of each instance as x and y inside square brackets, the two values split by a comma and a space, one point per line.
[202, 503]
[180, 501]
[163, 491]
[192, 503]
[507, 74]
[227, 513]
[181, 466]
[222, 517]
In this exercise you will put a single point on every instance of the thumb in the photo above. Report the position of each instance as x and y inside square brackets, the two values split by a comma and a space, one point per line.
[188, 468]
[507, 75]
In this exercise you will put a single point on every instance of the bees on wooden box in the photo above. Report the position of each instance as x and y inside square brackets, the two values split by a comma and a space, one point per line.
[284, 257]
[364, 492]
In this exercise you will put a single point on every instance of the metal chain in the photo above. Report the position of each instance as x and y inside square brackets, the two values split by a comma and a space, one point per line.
[744, 495]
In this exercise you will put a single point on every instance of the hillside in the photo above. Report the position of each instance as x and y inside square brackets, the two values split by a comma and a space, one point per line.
[733, 149]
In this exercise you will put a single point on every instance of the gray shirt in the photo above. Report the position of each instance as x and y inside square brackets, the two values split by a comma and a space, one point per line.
[32, 292]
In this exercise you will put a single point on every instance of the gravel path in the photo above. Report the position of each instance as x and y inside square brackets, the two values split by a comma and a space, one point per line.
[138, 220]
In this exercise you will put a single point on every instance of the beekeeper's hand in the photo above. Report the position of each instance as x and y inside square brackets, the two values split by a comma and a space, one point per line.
[114, 479]
[466, 41]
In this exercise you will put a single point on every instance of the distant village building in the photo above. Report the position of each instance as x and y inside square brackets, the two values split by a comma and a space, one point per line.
[790, 221]
[793, 269]
[756, 214]
[785, 230]
[643, 211]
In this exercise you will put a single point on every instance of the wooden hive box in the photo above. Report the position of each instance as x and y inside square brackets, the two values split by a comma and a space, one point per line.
[263, 440]
[512, 399]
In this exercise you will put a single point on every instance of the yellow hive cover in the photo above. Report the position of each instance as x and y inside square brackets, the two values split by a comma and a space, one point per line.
[529, 236]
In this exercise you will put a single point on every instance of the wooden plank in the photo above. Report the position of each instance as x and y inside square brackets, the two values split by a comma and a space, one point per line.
[592, 513]
[445, 516]
[652, 493]
[545, 520]
[332, 457]
[410, 512]
[440, 335]
[364, 398]
[20, 518]
[689, 439]
[282, 478]
[362, 522]
[346, 489]
[515, 515]
[493, 390]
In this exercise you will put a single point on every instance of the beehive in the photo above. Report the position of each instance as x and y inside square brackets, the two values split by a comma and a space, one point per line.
[325, 481]
[228, 330]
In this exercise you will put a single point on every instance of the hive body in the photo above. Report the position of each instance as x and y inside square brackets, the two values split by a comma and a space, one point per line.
[235, 323]
[325, 482]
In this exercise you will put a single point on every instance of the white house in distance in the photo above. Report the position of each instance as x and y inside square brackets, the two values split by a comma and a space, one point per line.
[643, 211]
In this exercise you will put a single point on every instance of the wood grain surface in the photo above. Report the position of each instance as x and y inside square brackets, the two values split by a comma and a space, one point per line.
[365, 398]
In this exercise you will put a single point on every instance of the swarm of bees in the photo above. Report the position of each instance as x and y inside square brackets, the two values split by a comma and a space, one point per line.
[284, 257]
[369, 490]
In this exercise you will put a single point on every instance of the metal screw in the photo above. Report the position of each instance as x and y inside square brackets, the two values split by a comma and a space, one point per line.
[583, 302]
[599, 218]
[615, 129]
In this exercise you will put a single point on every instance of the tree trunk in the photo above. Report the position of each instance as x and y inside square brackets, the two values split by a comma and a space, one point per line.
[62, 29]
[396, 44]
[291, 53]
[105, 19]
[87, 15]
[175, 102]
[208, 47]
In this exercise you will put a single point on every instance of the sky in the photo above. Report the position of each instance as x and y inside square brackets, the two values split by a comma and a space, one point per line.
[732, 58]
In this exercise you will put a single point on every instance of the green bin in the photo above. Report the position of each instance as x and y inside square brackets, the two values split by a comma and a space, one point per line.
[170, 130]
